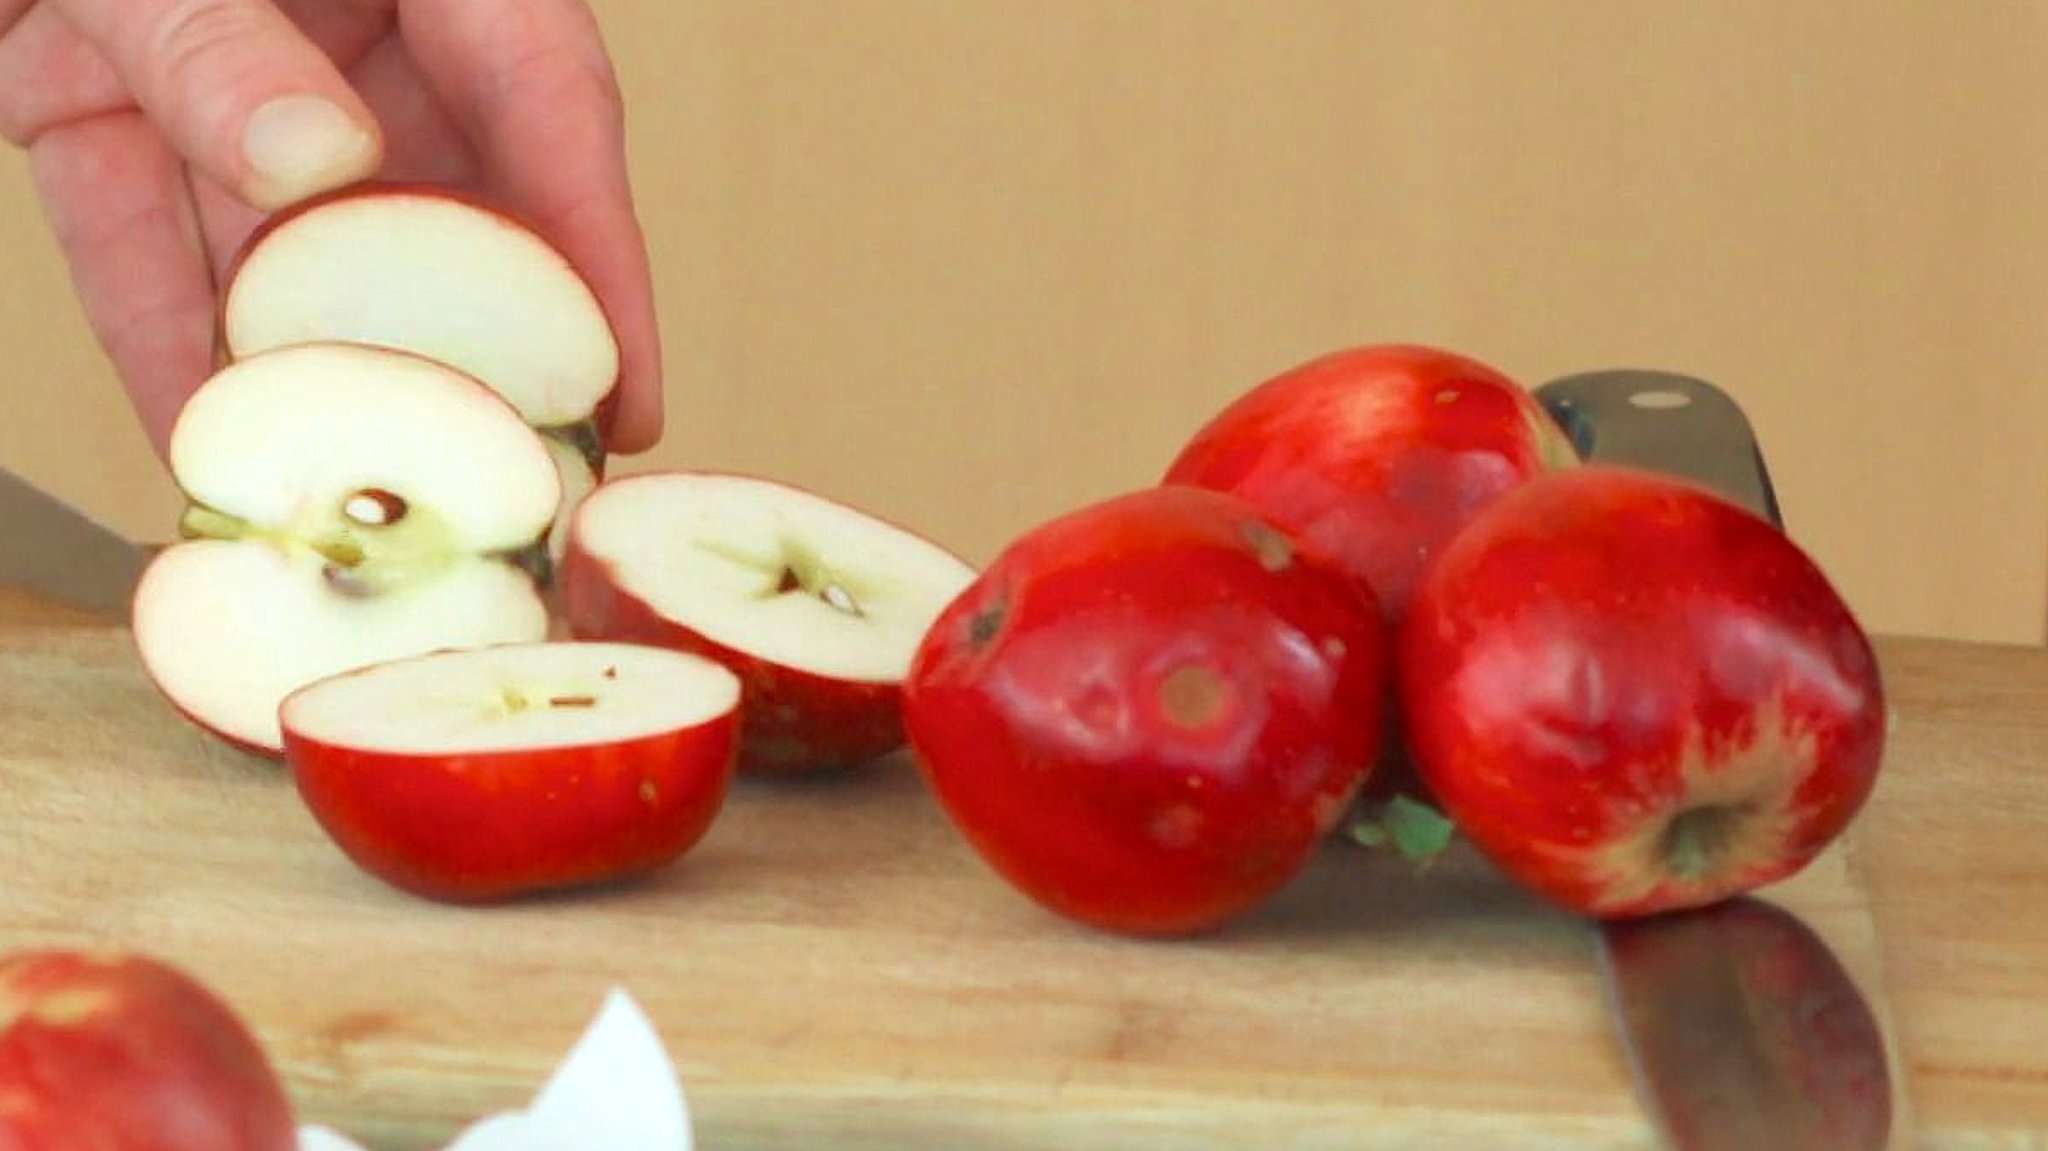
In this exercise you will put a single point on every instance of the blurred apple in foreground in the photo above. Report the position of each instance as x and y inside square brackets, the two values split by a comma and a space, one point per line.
[125, 1053]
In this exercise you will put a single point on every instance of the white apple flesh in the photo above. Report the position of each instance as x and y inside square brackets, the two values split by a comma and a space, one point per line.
[579, 479]
[817, 606]
[488, 773]
[347, 505]
[428, 271]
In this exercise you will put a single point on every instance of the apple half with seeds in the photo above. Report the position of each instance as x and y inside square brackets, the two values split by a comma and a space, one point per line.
[818, 607]
[444, 275]
[490, 773]
[347, 505]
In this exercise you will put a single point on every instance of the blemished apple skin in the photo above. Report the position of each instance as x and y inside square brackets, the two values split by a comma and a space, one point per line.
[1377, 455]
[122, 1052]
[1147, 713]
[1606, 648]
[793, 721]
[499, 825]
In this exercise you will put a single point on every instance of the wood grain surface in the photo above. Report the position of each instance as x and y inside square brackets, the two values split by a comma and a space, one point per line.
[832, 967]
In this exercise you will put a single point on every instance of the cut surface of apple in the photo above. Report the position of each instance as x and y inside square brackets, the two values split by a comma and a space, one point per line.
[431, 272]
[512, 697]
[487, 773]
[818, 606]
[348, 505]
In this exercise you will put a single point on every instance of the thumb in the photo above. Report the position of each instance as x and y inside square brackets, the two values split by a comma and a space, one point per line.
[239, 91]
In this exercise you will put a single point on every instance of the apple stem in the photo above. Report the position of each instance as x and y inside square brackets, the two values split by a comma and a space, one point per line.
[572, 701]
[1696, 838]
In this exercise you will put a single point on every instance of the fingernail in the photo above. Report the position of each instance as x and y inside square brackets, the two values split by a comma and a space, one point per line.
[299, 145]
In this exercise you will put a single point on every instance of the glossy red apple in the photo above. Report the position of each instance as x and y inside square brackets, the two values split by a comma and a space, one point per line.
[1147, 713]
[815, 605]
[485, 774]
[1377, 455]
[115, 1052]
[1635, 696]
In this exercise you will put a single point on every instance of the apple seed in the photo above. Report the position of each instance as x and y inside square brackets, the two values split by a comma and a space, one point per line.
[840, 598]
[374, 507]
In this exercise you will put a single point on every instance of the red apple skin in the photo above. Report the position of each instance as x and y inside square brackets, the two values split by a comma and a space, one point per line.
[1605, 648]
[794, 721]
[125, 1053]
[1376, 455]
[500, 825]
[1147, 713]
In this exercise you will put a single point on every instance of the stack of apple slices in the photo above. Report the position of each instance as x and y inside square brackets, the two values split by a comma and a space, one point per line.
[381, 482]
[348, 505]
[445, 276]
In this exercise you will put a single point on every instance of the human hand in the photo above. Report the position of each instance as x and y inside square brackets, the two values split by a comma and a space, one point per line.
[159, 133]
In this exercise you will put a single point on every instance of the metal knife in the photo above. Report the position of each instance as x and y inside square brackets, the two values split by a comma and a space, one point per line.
[1742, 1029]
[56, 552]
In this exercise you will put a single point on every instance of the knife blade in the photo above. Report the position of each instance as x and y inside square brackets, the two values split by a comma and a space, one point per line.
[1741, 1028]
[58, 553]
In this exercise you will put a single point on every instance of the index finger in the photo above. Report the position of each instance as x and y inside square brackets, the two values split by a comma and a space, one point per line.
[532, 86]
[238, 90]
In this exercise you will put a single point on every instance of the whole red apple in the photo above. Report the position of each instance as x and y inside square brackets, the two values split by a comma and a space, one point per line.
[125, 1053]
[1377, 455]
[1635, 696]
[1147, 713]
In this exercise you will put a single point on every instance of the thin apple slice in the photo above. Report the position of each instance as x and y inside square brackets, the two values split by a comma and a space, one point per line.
[348, 505]
[491, 773]
[817, 606]
[436, 273]
[580, 477]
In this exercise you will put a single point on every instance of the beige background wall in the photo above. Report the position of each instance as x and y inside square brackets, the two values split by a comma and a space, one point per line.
[969, 264]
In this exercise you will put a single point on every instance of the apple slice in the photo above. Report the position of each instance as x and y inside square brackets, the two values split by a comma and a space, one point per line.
[347, 505]
[580, 476]
[489, 773]
[817, 606]
[434, 272]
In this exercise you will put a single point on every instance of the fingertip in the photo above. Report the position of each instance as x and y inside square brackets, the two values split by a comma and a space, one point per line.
[301, 144]
[636, 426]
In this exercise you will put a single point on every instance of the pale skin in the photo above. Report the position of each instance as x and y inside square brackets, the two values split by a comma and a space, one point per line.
[157, 144]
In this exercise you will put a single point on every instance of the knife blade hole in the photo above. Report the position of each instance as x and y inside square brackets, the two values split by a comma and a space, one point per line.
[1660, 400]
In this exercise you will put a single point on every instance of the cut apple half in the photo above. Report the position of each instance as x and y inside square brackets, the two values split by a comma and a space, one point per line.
[818, 607]
[490, 773]
[436, 273]
[348, 505]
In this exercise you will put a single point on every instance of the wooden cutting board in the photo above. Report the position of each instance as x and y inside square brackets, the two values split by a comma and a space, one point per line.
[831, 967]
